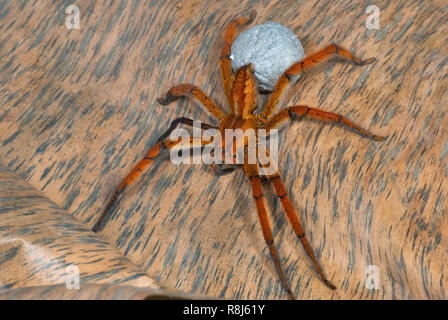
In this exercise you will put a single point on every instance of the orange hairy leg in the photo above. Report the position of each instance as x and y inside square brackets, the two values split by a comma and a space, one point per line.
[252, 175]
[304, 64]
[163, 143]
[182, 90]
[224, 60]
[291, 213]
[318, 114]
[293, 218]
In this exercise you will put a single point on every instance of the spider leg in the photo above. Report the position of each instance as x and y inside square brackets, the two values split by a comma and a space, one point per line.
[220, 171]
[293, 218]
[182, 120]
[291, 213]
[162, 143]
[252, 174]
[185, 89]
[219, 167]
[318, 114]
[224, 60]
[307, 62]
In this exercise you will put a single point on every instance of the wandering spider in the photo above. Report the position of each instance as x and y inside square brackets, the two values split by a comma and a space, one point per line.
[240, 90]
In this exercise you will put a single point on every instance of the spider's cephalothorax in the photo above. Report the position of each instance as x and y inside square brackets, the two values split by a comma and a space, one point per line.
[241, 93]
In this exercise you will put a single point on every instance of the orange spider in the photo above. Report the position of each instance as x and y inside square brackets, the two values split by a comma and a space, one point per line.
[240, 90]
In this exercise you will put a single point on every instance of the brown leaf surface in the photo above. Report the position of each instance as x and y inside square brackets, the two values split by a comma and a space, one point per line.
[78, 110]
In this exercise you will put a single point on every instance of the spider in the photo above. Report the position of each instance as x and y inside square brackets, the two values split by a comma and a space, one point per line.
[240, 90]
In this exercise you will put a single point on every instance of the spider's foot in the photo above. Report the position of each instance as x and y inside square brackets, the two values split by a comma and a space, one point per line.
[252, 16]
[167, 100]
[226, 171]
[329, 284]
[367, 61]
[378, 138]
[97, 227]
[221, 171]
[291, 295]
[247, 18]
